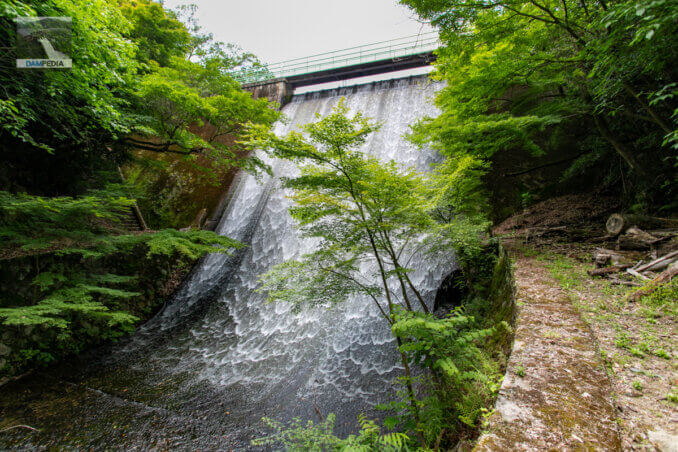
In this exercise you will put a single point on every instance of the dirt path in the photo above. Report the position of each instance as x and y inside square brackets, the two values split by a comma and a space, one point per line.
[556, 394]
[638, 342]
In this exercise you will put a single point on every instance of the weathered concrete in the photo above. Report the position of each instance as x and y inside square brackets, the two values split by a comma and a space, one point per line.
[556, 394]
[278, 90]
[275, 91]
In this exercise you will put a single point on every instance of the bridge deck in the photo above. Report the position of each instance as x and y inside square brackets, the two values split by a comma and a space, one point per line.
[387, 56]
[356, 70]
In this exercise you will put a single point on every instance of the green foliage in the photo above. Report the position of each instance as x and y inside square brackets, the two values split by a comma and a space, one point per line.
[357, 207]
[34, 222]
[320, 278]
[520, 371]
[362, 210]
[455, 351]
[77, 293]
[85, 225]
[158, 34]
[68, 112]
[133, 84]
[55, 309]
[173, 100]
[517, 70]
[298, 437]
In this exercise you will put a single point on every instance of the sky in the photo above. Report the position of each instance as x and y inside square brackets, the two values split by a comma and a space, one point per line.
[279, 30]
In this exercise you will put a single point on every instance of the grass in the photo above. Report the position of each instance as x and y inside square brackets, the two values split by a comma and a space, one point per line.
[520, 371]
[564, 270]
[571, 275]
[552, 334]
[662, 301]
[660, 352]
[622, 341]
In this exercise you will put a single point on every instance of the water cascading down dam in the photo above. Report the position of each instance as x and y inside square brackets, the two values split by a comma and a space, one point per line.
[217, 358]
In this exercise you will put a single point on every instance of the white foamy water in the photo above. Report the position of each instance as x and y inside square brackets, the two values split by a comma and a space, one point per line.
[276, 361]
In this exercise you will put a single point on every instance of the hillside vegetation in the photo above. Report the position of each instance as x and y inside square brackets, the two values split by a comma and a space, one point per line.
[146, 81]
[572, 103]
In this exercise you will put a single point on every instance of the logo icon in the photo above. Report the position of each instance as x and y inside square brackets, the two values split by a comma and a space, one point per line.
[43, 42]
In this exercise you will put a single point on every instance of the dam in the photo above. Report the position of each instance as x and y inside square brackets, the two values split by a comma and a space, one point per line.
[204, 371]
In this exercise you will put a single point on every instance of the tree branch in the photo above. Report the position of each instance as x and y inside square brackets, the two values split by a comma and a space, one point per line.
[646, 107]
[546, 165]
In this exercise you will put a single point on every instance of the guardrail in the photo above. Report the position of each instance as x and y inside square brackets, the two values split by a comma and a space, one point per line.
[384, 50]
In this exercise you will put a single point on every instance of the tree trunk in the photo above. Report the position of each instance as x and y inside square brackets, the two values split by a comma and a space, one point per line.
[618, 223]
[621, 149]
[635, 239]
[608, 270]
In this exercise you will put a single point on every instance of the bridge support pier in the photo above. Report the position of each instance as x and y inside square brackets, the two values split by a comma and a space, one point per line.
[277, 90]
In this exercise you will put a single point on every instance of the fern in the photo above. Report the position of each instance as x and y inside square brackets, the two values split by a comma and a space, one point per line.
[85, 287]
[299, 436]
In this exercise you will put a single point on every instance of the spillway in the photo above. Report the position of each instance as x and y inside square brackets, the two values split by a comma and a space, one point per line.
[217, 358]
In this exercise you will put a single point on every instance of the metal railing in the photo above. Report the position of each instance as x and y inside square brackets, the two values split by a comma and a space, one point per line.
[393, 49]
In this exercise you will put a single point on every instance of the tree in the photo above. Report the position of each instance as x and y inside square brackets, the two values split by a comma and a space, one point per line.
[158, 33]
[63, 134]
[516, 68]
[361, 211]
[60, 121]
[132, 85]
[175, 101]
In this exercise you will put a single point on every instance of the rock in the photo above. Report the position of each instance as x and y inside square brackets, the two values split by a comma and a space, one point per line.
[664, 441]
[4, 350]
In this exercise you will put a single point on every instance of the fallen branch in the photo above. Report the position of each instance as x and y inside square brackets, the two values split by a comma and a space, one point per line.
[635, 273]
[19, 426]
[621, 282]
[657, 261]
[609, 270]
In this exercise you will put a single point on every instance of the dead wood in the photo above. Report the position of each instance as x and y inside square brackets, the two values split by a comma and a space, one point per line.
[618, 223]
[609, 270]
[636, 239]
[635, 273]
[653, 265]
[621, 282]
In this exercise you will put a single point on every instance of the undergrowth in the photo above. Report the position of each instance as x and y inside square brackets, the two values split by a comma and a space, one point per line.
[77, 277]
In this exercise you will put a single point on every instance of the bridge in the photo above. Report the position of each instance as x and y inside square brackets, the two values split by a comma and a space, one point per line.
[277, 81]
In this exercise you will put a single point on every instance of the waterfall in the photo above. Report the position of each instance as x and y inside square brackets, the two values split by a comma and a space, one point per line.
[343, 358]
[217, 358]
